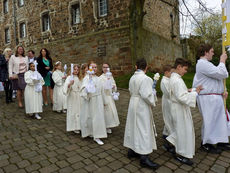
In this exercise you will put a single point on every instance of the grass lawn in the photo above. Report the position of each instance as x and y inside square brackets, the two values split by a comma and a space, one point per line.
[123, 82]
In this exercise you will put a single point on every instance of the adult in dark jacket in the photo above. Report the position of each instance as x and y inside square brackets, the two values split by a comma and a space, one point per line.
[31, 56]
[45, 67]
[4, 74]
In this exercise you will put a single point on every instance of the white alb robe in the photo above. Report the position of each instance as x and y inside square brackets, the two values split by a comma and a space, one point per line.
[59, 98]
[110, 110]
[73, 103]
[211, 106]
[166, 103]
[139, 129]
[33, 99]
[183, 136]
[92, 118]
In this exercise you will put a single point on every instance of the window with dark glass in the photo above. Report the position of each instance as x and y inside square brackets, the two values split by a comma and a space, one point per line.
[45, 22]
[5, 6]
[20, 3]
[102, 7]
[7, 35]
[75, 10]
[22, 30]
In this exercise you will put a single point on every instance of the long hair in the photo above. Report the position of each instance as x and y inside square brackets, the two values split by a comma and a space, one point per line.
[83, 67]
[47, 53]
[79, 71]
[56, 65]
[5, 52]
[16, 52]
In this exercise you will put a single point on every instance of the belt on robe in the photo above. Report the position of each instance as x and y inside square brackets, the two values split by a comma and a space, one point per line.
[218, 94]
[135, 95]
[94, 95]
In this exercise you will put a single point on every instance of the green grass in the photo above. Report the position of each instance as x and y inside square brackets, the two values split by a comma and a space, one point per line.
[123, 82]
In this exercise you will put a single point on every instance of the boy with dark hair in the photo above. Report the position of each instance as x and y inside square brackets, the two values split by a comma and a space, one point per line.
[139, 131]
[183, 136]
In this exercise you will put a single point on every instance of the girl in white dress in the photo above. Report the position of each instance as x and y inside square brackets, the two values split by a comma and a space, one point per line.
[72, 91]
[92, 109]
[110, 110]
[33, 92]
[59, 98]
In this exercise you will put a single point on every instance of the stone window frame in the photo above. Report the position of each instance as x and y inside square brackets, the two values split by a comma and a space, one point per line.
[71, 4]
[21, 4]
[46, 12]
[19, 30]
[5, 35]
[5, 6]
[99, 10]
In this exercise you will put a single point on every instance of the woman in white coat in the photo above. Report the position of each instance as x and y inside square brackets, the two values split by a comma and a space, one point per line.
[59, 98]
[72, 91]
[110, 110]
[33, 92]
[92, 110]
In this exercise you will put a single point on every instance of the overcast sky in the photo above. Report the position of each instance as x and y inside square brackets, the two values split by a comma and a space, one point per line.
[186, 26]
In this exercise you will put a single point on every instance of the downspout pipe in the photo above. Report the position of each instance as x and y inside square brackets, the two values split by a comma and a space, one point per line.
[15, 22]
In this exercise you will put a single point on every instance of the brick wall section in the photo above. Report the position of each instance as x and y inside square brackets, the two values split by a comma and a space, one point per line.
[95, 38]
[157, 18]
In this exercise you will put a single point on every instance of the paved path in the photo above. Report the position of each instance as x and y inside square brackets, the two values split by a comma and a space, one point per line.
[29, 145]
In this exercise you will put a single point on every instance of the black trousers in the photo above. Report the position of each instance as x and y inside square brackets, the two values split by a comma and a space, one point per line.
[8, 90]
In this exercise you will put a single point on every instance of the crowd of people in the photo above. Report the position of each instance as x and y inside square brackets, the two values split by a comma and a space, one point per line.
[89, 101]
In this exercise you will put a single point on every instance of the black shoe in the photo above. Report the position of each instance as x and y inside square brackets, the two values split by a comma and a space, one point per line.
[169, 148]
[164, 136]
[223, 146]
[11, 101]
[209, 148]
[146, 162]
[184, 160]
[132, 154]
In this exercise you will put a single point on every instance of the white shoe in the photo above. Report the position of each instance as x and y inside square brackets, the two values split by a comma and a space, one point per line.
[98, 141]
[64, 111]
[109, 131]
[58, 111]
[76, 131]
[37, 116]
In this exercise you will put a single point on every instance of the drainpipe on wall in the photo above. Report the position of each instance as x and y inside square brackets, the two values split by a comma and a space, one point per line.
[15, 22]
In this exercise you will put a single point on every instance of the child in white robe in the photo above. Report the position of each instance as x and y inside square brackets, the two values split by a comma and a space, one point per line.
[110, 110]
[166, 103]
[183, 136]
[59, 98]
[140, 129]
[92, 110]
[33, 92]
[72, 91]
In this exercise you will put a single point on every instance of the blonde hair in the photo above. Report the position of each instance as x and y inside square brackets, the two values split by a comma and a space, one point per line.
[5, 52]
[83, 67]
[56, 65]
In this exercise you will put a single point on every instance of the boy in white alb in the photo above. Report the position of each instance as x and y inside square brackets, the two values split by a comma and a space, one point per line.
[139, 130]
[211, 102]
[183, 136]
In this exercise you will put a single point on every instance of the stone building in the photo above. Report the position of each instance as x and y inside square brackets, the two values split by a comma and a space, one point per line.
[115, 31]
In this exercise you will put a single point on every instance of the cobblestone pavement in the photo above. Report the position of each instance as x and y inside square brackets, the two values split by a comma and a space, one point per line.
[29, 145]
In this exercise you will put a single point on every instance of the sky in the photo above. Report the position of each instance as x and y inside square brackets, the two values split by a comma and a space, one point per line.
[185, 23]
